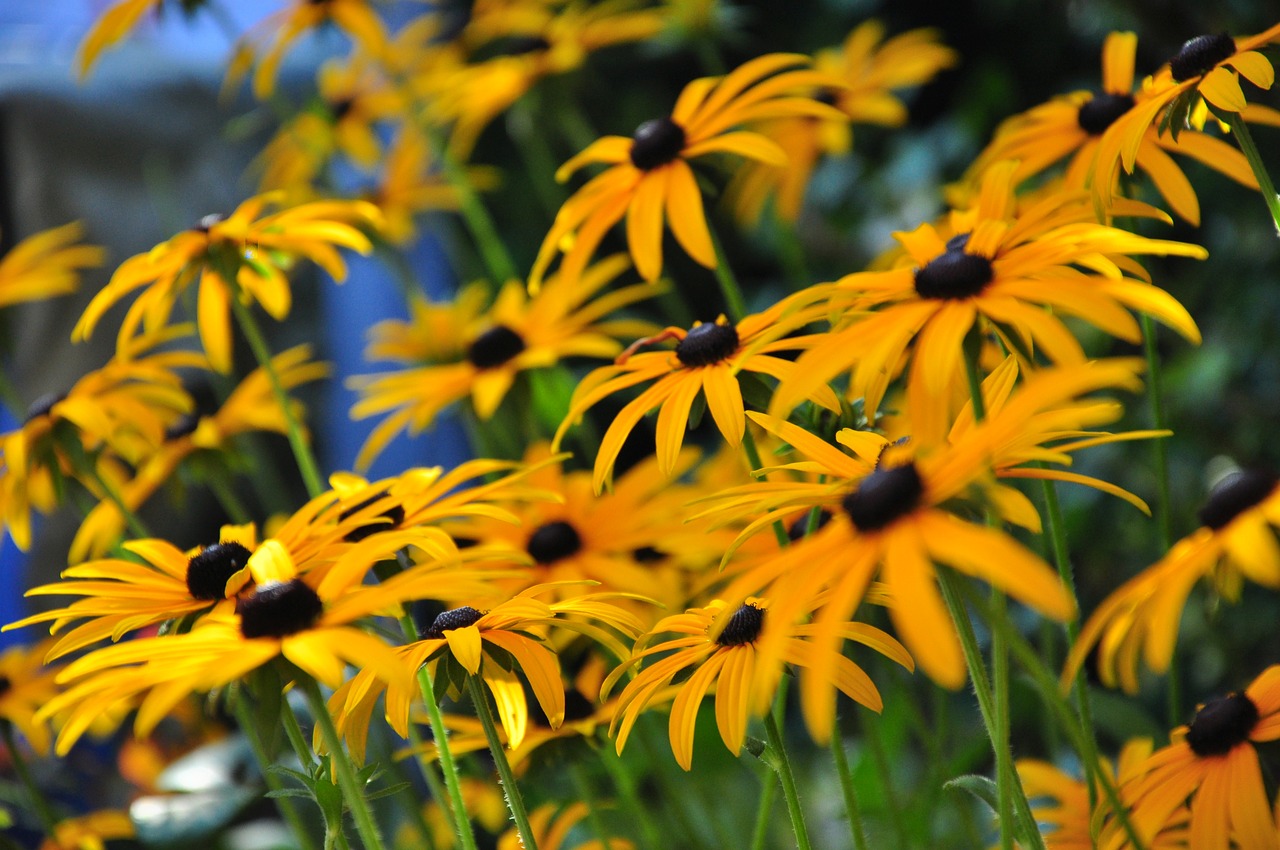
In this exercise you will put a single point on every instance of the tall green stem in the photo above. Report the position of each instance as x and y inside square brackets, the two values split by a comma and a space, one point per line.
[287, 806]
[307, 465]
[1250, 150]
[735, 304]
[515, 802]
[950, 583]
[352, 791]
[851, 807]
[789, 790]
[448, 767]
[39, 805]
[764, 809]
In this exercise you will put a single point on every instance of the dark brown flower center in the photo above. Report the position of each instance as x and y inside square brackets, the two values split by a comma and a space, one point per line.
[656, 143]
[1101, 111]
[393, 515]
[1234, 495]
[554, 541]
[210, 569]
[648, 555]
[707, 344]
[1200, 55]
[953, 274]
[884, 496]
[454, 618]
[5, 685]
[495, 347]
[1221, 724]
[279, 609]
[743, 627]
[800, 528]
[42, 406]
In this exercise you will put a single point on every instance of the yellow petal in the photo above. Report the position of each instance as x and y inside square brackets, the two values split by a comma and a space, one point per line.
[465, 644]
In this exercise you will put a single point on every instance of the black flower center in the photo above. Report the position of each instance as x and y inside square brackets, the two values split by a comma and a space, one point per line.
[800, 528]
[1234, 495]
[5, 685]
[1200, 55]
[279, 609]
[42, 406]
[522, 44]
[394, 515]
[553, 541]
[954, 274]
[743, 627]
[495, 347]
[884, 496]
[1221, 724]
[209, 571]
[1101, 111]
[454, 618]
[656, 143]
[648, 555]
[707, 344]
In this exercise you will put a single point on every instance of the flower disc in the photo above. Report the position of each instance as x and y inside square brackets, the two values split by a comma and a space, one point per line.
[1234, 495]
[884, 496]
[954, 274]
[495, 347]
[743, 627]
[1200, 54]
[209, 570]
[1221, 724]
[554, 541]
[279, 609]
[1101, 111]
[707, 344]
[656, 143]
[454, 618]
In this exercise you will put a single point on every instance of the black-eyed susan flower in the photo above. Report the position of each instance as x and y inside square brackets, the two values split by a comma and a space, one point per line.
[251, 406]
[890, 521]
[121, 410]
[243, 255]
[1138, 622]
[311, 619]
[46, 264]
[1073, 126]
[1002, 267]
[1207, 67]
[26, 683]
[706, 361]
[1214, 762]
[517, 333]
[872, 68]
[728, 660]
[532, 40]
[636, 538]
[649, 180]
[484, 643]
[90, 831]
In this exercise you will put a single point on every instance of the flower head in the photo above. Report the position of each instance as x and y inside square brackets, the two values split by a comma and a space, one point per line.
[46, 264]
[26, 683]
[649, 179]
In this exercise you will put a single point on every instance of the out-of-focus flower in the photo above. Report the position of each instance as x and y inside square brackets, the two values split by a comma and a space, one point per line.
[46, 264]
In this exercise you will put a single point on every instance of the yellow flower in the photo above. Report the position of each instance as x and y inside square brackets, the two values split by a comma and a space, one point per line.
[119, 411]
[728, 660]
[518, 332]
[1073, 125]
[707, 360]
[871, 68]
[88, 832]
[467, 637]
[243, 255]
[1139, 620]
[1208, 67]
[27, 683]
[1213, 761]
[251, 406]
[1003, 266]
[649, 178]
[46, 264]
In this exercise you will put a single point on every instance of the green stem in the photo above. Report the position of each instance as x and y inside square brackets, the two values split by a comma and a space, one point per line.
[448, 767]
[1079, 687]
[225, 494]
[788, 779]
[515, 802]
[791, 253]
[297, 441]
[1046, 682]
[897, 813]
[39, 805]
[735, 304]
[493, 252]
[950, 585]
[352, 791]
[287, 806]
[851, 806]
[1250, 150]
[764, 809]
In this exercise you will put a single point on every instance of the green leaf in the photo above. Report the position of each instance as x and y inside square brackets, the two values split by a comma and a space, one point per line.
[387, 791]
[289, 792]
[979, 786]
